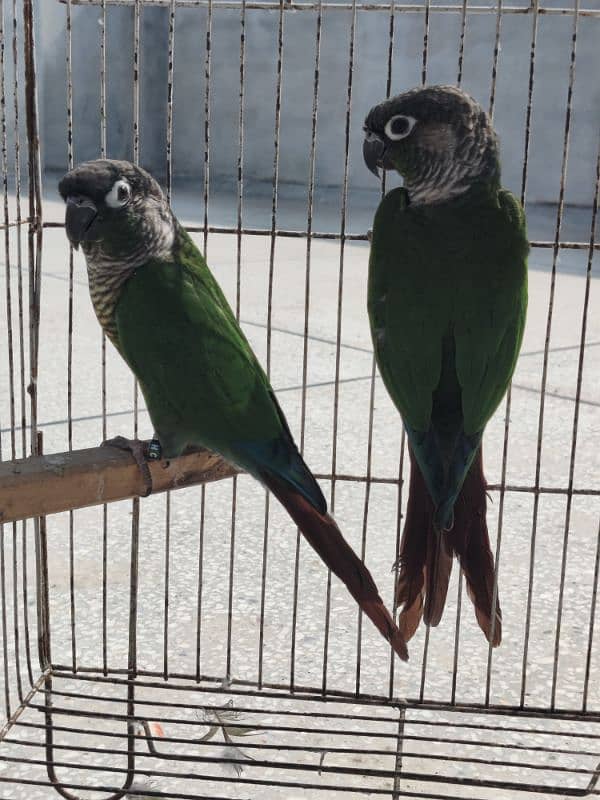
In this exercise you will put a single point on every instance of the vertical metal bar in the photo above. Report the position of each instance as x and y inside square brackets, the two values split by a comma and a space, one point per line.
[307, 277]
[35, 229]
[459, 77]
[424, 81]
[25, 590]
[398, 547]
[534, 32]
[136, 81]
[231, 571]
[207, 101]
[103, 78]
[590, 647]
[240, 200]
[240, 159]
[7, 258]
[495, 61]
[461, 44]
[495, 58]
[399, 515]
[43, 584]
[166, 593]
[561, 201]
[170, 78]
[15, 601]
[424, 663]
[7, 705]
[200, 579]
[365, 522]
[68, 34]
[274, 199]
[397, 793]
[136, 160]
[425, 42]
[21, 325]
[132, 665]
[340, 297]
[456, 638]
[169, 175]
[206, 196]
[11, 365]
[103, 151]
[17, 165]
[388, 88]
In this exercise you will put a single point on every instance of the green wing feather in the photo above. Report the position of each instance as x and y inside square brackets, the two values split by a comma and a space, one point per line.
[457, 268]
[201, 381]
[200, 378]
[489, 329]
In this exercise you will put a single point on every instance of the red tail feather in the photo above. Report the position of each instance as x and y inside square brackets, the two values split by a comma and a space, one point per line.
[471, 543]
[426, 556]
[325, 537]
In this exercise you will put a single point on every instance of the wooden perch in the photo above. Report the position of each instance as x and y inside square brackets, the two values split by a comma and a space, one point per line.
[41, 485]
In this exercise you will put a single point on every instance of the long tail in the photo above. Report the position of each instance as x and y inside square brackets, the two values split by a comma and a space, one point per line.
[426, 556]
[325, 537]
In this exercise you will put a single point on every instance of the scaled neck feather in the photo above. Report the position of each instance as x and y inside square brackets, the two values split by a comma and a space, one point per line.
[110, 266]
[441, 177]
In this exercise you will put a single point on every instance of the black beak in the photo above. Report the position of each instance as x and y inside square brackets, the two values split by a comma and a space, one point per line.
[81, 213]
[373, 151]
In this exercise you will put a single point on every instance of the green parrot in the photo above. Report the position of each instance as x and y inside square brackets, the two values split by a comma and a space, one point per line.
[447, 299]
[165, 313]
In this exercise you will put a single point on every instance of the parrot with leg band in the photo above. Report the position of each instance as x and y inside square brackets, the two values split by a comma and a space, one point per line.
[163, 310]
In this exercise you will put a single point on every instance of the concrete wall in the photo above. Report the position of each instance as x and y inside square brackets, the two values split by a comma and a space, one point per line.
[369, 79]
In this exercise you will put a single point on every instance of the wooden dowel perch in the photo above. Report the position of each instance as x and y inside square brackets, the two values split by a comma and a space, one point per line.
[41, 485]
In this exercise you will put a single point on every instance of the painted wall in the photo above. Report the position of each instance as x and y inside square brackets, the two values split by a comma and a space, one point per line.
[553, 53]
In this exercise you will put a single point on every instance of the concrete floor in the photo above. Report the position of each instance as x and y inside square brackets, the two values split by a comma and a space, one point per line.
[351, 450]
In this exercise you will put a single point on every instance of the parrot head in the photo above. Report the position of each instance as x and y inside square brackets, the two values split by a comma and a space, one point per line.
[115, 210]
[437, 137]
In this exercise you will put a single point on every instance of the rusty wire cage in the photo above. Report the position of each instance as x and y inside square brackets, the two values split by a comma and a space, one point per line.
[191, 645]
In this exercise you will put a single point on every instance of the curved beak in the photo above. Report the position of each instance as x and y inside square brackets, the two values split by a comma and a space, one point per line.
[373, 152]
[80, 214]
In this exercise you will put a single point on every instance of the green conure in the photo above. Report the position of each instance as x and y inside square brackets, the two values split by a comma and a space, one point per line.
[447, 301]
[165, 313]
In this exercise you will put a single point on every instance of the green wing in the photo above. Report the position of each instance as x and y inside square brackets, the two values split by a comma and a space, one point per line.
[201, 381]
[406, 312]
[489, 327]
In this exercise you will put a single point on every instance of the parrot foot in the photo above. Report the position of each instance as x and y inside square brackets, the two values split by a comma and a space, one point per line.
[142, 452]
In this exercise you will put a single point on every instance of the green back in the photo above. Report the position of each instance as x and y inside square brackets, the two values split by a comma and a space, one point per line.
[448, 281]
[447, 303]
[202, 383]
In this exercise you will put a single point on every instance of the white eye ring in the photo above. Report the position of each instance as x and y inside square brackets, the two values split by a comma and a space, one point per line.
[119, 194]
[410, 123]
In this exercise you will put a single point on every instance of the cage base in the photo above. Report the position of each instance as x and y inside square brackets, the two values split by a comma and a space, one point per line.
[89, 735]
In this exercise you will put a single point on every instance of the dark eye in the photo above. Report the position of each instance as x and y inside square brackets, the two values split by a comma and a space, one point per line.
[399, 127]
[123, 193]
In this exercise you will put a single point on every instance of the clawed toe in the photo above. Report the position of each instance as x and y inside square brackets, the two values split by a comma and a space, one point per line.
[141, 452]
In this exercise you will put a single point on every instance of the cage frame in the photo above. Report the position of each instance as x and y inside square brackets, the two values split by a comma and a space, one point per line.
[132, 678]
